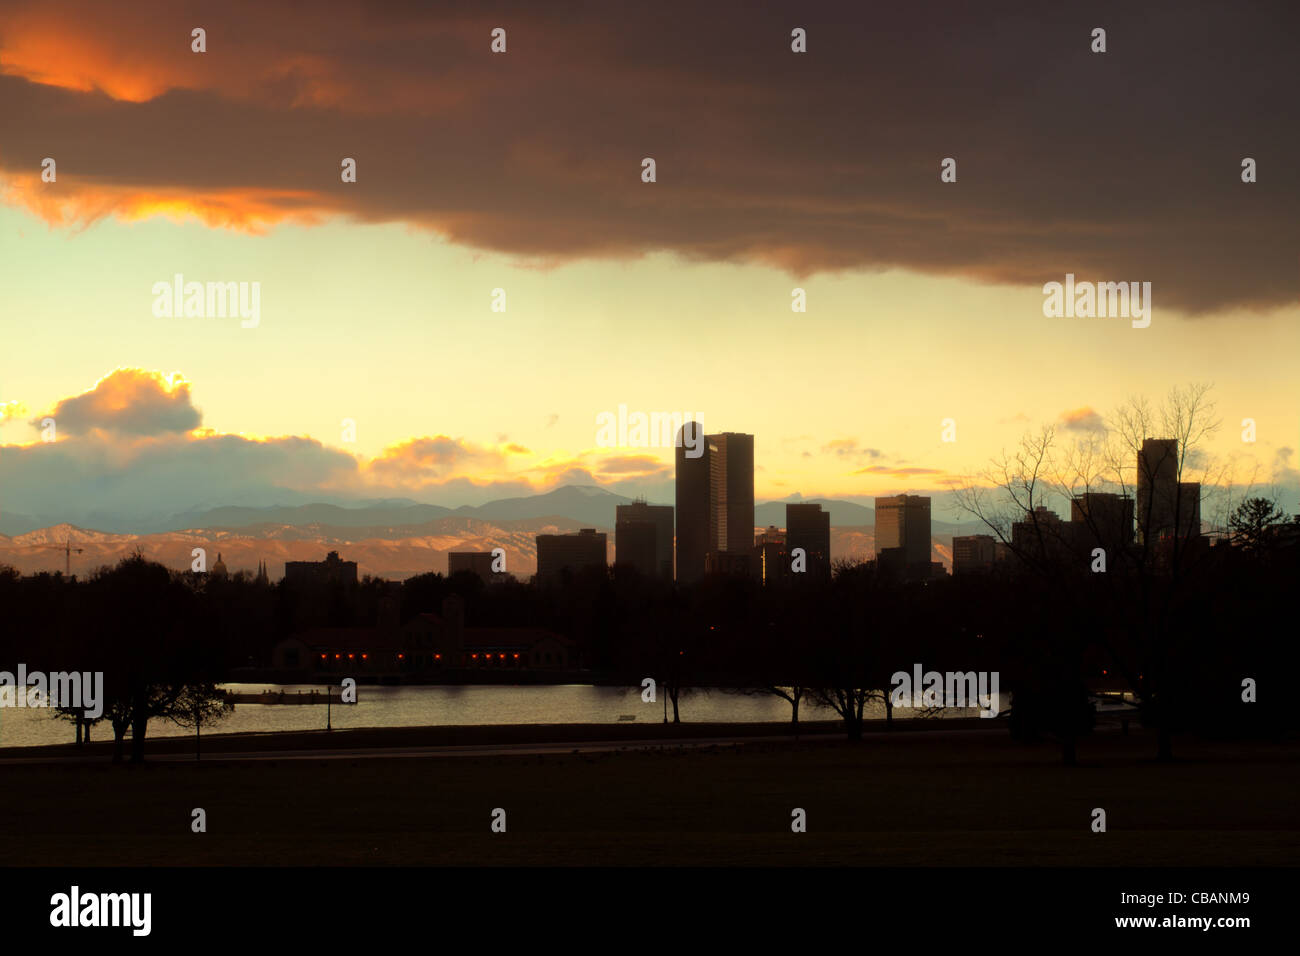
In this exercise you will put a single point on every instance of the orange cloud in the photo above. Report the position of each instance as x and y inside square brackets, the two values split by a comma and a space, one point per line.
[55, 55]
[68, 202]
[129, 401]
[432, 459]
[254, 51]
[627, 466]
[897, 472]
[1082, 419]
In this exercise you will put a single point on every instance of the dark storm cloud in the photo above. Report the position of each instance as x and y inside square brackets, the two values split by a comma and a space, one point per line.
[1123, 166]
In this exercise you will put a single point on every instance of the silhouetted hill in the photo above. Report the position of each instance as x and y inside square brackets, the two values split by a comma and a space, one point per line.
[592, 506]
[844, 513]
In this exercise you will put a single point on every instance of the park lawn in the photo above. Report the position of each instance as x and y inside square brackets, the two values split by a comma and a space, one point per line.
[898, 800]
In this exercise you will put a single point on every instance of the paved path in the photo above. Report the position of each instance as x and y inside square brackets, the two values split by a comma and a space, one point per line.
[494, 750]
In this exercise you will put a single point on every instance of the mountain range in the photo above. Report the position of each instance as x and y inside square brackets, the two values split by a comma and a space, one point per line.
[391, 538]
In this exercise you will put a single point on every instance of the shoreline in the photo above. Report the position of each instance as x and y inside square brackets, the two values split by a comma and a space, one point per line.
[488, 735]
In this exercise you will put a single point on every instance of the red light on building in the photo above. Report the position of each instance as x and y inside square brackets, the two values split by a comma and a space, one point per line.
[475, 656]
[437, 657]
[401, 657]
[516, 657]
[365, 657]
[502, 656]
[323, 656]
[336, 657]
[351, 656]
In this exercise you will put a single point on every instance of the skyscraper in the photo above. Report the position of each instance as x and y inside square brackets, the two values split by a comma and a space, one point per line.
[715, 499]
[1157, 488]
[643, 538]
[736, 493]
[903, 521]
[808, 527]
[1188, 509]
[773, 561]
[696, 498]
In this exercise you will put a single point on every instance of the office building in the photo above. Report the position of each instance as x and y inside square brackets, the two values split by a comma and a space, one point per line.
[807, 526]
[475, 562]
[1102, 520]
[643, 538]
[1188, 508]
[735, 499]
[1041, 532]
[715, 502]
[1157, 488]
[903, 521]
[973, 553]
[696, 511]
[557, 553]
[332, 570]
[773, 559]
[732, 563]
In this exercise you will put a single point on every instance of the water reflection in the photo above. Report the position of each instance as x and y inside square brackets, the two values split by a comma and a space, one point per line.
[382, 706]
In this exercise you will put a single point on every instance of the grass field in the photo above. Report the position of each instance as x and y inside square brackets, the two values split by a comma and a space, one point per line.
[953, 799]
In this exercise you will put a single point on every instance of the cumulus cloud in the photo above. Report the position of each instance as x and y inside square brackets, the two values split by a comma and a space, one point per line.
[133, 446]
[1085, 419]
[420, 461]
[444, 464]
[104, 481]
[763, 156]
[129, 401]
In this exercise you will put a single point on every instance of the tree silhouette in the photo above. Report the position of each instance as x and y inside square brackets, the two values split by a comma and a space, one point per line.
[1250, 524]
[1136, 606]
[200, 703]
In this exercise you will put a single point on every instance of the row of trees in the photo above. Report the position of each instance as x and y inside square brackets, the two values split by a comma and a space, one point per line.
[1174, 617]
[1047, 624]
[1186, 650]
[1147, 605]
[138, 624]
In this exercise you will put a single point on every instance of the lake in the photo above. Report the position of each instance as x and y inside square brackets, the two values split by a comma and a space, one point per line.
[411, 706]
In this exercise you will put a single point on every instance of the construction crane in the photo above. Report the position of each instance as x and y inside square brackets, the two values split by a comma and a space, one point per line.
[67, 550]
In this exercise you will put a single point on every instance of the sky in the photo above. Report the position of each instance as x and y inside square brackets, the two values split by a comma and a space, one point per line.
[522, 171]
